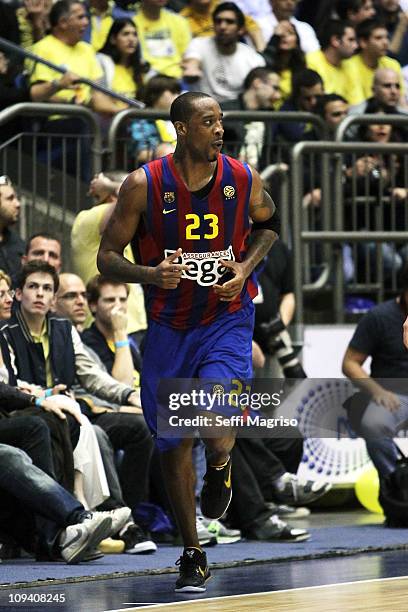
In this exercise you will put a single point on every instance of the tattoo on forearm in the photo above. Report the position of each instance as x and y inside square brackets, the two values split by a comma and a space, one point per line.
[262, 242]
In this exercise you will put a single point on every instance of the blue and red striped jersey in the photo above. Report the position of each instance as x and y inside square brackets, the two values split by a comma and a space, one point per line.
[207, 229]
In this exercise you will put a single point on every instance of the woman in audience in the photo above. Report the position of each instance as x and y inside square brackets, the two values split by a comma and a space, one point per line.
[121, 60]
[284, 55]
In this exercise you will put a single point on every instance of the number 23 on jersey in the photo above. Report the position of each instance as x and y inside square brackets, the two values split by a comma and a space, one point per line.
[208, 229]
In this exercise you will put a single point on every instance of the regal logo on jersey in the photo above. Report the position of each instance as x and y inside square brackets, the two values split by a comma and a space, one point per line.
[204, 268]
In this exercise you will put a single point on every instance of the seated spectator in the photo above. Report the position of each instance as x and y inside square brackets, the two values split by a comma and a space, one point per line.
[284, 10]
[284, 55]
[42, 516]
[252, 141]
[355, 11]
[68, 21]
[338, 41]
[380, 410]
[164, 37]
[9, 92]
[199, 16]
[43, 246]
[218, 65]
[306, 88]
[373, 41]
[107, 336]
[11, 245]
[396, 22]
[146, 136]
[86, 237]
[25, 24]
[121, 61]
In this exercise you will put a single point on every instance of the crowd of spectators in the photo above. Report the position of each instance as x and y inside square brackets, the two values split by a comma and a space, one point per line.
[71, 423]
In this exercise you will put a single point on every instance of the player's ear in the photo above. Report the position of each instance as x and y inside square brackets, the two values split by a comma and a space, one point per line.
[181, 128]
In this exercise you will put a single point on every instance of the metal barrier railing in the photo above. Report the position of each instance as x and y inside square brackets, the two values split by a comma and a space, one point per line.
[337, 235]
[370, 118]
[268, 117]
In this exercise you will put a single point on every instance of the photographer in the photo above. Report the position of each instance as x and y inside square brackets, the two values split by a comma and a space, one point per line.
[274, 309]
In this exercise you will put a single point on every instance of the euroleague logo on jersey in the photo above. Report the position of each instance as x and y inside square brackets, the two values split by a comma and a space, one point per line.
[204, 268]
[229, 192]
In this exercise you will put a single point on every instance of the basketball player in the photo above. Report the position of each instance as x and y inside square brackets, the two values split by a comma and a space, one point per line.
[188, 214]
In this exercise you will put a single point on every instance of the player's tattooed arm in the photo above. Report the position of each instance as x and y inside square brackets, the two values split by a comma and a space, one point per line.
[261, 209]
[119, 232]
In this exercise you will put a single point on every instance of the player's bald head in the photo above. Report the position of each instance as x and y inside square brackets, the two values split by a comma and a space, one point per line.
[184, 106]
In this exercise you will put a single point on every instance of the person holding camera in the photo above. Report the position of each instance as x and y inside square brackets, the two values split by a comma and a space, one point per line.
[274, 310]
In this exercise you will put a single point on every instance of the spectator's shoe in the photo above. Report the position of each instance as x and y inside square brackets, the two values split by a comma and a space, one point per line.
[137, 541]
[194, 571]
[205, 538]
[119, 516]
[93, 555]
[288, 512]
[275, 530]
[77, 540]
[223, 534]
[217, 491]
[297, 492]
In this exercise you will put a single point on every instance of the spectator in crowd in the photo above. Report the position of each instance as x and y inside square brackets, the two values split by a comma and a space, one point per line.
[380, 409]
[107, 335]
[68, 21]
[44, 246]
[252, 141]
[120, 58]
[100, 20]
[284, 10]
[396, 22]
[153, 139]
[42, 516]
[164, 37]
[332, 108]
[355, 11]
[306, 88]
[85, 239]
[338, 41]
[25, 24]
[373, 41]
[124, 425]
[218, 65]
[11, 245]
[199, 16]
[284, 55]
[10, 93]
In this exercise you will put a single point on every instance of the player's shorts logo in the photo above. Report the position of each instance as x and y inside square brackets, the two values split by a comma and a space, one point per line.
[204, 268]
[169, 197]
[229, 192]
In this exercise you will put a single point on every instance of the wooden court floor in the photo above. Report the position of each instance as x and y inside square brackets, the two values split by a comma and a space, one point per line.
[376, 595]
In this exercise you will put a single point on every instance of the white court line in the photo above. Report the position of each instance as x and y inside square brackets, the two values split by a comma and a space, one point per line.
[307, 588]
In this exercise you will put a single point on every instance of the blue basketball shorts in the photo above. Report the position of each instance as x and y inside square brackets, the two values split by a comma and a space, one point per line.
[221, 350]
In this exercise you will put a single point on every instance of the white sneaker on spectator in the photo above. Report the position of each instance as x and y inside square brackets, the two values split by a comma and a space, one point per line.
[77, 540]
[119, 516]
[205, 538]
[223, 534]
[292, 490]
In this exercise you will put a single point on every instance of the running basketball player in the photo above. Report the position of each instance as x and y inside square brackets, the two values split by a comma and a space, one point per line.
[189, 213]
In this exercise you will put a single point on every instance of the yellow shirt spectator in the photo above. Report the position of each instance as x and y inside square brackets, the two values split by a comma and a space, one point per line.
[79, 58]
[163, 41]
[123, 81]
[363, 84]
[85, 240]
[100, 26]
[340, 80]
[202, 24]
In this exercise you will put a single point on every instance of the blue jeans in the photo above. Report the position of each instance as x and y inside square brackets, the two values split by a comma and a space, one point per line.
[34, 507]
[378, 427]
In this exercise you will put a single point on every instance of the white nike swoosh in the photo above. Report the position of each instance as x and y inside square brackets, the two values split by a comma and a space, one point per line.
[166, 212]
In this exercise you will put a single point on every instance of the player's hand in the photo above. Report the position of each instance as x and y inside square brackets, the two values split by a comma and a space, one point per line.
[232, 288]
[167, 274]
[52, 405]
[388, 399]
[405, 333]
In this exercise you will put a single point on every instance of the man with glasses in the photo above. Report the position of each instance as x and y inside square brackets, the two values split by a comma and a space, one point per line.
[11, 245]
[218, 65]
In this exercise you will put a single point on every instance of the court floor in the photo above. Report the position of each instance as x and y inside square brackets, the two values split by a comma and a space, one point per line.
[372, 582]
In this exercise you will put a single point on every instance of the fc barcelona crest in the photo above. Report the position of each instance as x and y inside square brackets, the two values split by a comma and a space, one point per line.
[169, 197]
[229, 192]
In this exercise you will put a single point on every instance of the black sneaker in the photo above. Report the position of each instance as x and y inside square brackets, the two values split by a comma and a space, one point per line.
[217, 491]
[137, 542]
[194, 571]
